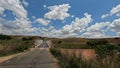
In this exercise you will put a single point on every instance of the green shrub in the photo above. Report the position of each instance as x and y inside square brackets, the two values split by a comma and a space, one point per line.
[59, 42]
[106, 50]
[21, 48]
[119, 44]
[4, 37]
[27, 39]
[55, 52]
[74, 62]
[94, 43]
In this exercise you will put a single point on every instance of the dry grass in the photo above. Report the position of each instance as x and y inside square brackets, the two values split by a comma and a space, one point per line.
[67, 60]
[83, 53]
[75, 56]
[14, 46]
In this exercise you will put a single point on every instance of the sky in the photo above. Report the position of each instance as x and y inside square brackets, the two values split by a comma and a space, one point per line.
[60, 18]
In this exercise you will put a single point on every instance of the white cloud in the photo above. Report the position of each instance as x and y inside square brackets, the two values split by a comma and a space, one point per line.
[115, 25]
[1, 10]
[16, 27]
[25, 3]
[44, 6]
[58, 12]
[33, 17]
[43, 21]
[104, 16]
[97, 26]
[114, 10]
[96, 31]
[93, 35]
[79, 24]
[72, 16]
[21, 25]
[118, 33]
[118, 14]
[70, 30]
[14, 6]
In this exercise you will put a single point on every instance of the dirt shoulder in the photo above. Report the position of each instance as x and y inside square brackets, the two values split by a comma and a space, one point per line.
[5, 58]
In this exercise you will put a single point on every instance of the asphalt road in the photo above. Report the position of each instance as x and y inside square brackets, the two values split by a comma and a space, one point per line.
[43, 45]
[36, 58]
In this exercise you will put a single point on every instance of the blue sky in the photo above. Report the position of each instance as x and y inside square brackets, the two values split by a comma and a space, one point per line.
[60, 18]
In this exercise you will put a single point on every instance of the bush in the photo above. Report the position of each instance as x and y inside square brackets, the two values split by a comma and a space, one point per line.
[119, 44]
[27, 39]
[55, 52]
[94, 43]
[106, 50]
[59, 42]
[4, 37]
[21, 48]
[74, 62]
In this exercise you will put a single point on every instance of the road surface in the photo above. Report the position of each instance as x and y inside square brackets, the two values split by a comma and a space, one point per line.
[43, 45]
[36, 58]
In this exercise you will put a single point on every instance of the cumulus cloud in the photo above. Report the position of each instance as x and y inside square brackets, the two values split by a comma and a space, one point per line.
[115, 25]
[96, 31]
[98, 26]
[70, 30]
[93, 35]
[58, 12]
[114, 10]
[16, 27]
[104, 16]
[79, 24]
[14, 6]
[21, 25]
[43, 21]
[25, 3]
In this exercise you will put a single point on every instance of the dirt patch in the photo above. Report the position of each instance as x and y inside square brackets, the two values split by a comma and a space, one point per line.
[83, 53]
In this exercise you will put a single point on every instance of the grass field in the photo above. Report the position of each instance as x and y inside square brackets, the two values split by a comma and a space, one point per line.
[70, 43]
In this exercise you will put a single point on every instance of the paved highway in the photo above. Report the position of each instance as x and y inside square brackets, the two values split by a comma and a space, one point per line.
[36, 58]
[43, 45]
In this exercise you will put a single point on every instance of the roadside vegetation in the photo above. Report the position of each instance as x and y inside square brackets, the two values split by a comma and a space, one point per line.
[10, 45]
[107, 55]
[70, 43]
[4, 37]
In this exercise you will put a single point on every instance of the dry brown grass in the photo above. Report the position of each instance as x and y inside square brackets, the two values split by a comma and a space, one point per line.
[14, 46]
[83, 53]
